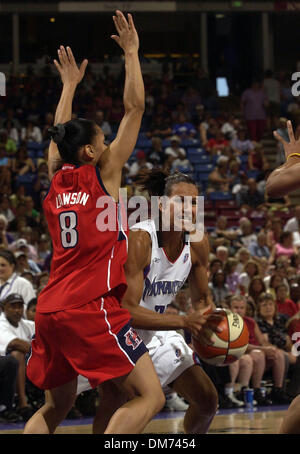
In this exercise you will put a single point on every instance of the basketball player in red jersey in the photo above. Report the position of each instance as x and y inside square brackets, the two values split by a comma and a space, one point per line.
[81, 328]
[282, 181]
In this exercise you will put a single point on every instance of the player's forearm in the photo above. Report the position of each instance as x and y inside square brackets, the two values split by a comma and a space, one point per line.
[284, 179]
[145, 319]
[134, 91]
[64, 108]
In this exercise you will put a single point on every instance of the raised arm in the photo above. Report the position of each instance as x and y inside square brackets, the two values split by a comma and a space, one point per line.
[285, 178]
[134, 99]
[70, 75]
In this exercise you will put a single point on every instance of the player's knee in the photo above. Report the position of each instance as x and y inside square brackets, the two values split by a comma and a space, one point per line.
[246, 361]
[19, 356]
[206, 400]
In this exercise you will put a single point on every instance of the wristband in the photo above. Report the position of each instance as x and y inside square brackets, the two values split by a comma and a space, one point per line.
[293, 154]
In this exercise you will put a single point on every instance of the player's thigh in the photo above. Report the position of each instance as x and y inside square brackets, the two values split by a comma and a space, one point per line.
[142, 380]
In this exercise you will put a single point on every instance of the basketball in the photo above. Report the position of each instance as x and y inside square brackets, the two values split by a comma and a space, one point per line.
[229, 345]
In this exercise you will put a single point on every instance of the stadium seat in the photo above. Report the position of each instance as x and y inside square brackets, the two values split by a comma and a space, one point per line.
[218, 195]
[252, 173]
[207, 168]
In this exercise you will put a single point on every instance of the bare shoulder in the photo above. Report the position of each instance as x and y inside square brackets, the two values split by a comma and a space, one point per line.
[200, 251]
[139, 248]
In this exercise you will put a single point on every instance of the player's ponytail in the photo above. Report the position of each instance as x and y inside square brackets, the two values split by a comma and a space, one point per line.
[159, 182]
[71, 136]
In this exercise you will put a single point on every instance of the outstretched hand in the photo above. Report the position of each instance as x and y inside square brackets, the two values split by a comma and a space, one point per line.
[128, 38]
[67, 66]
[293, 146]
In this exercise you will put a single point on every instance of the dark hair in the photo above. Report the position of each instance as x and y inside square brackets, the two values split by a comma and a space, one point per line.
[8, 256]
[32, 302]
[72, 135]
[284, 235]
[159, 182]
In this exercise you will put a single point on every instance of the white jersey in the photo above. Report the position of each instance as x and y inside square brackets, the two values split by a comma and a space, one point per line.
[163, 278]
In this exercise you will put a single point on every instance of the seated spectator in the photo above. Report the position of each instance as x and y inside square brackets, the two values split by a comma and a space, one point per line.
[230, 127]
[222, 254]
[257, 160]
[251, 269]
[183, 128]
[160, 127]
[182, 164]
[241, 144]
[8, 379]
[31, 133]
[25, 264]
[293, 224]
[218, 179]
[41, 183]
[5, 161]
[274, 232]
[250, 198]
[9, 144]
[236, 175]
[44, 250]
[264, 355]
[31, 309]
[272, 283]
[222, 236]
[17, 197]
[258, 247]
[232, 276]
[295, 293]
[9, 280]
[31, 211]
[15, 338]
[102, 123]
[11, 131]
[242, 255]
[285, 305]
[22, 164]
[216, 144]
[42, 279]
[174, 151]
[27, 234]
[48, 123]
[21, 215]
[245, 233]
[141, 163]
[156, 155]
[29, 276]
[219, 289]
[5, 238]
[255, 289]
[214, 266]
[5, 208]
[284, 248]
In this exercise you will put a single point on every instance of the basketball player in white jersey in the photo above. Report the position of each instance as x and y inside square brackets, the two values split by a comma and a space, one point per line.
[158, 264]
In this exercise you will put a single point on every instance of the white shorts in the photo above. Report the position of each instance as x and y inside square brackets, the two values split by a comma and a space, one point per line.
[170, 355]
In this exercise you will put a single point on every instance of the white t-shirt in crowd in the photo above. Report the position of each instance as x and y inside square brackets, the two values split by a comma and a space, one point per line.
[8, 332]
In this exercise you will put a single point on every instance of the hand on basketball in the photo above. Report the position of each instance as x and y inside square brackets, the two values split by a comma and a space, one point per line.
[67, 66]
[202, 326]
[128, 38]
[293, 146]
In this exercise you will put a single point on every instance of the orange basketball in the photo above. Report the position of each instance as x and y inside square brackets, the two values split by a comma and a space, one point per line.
[229, 345]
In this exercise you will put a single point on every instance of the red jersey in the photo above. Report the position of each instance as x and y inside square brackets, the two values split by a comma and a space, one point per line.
[250, 322]
[88, 257]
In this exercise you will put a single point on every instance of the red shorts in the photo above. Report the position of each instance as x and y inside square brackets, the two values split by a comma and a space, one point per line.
[94, 340]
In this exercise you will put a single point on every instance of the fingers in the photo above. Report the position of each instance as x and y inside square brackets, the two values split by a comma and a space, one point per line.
[57, 65]
[130, 21]
[63, 58]
[290, 131]
[122, 20]
[279, 138]
[117, 25]
[70, 55]
[83, 66]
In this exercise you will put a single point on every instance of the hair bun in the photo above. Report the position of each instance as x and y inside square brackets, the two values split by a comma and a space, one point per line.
[57, 133]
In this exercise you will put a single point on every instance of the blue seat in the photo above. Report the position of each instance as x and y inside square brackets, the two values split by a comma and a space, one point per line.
[199, 159]
[204, 167]
[218, 195]
[143, 143]
[252, 173]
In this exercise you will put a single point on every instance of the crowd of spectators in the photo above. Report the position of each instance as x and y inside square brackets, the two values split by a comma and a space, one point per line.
[254, 240]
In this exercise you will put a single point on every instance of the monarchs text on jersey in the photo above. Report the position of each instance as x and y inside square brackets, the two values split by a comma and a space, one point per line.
[89, 240]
